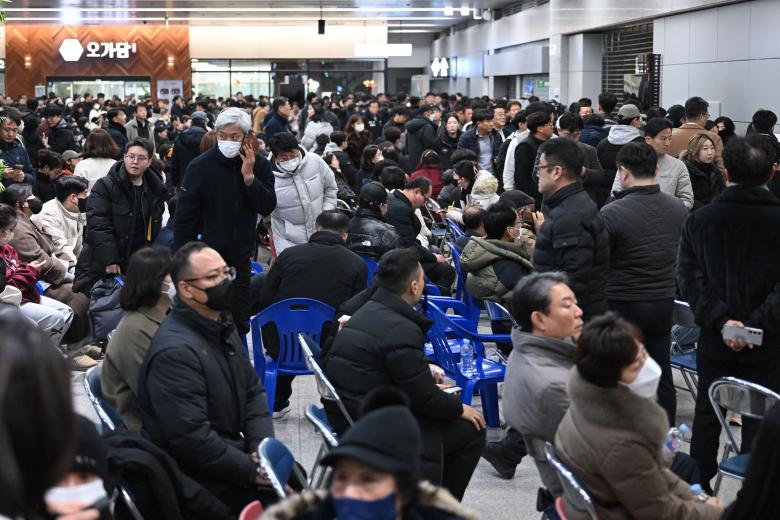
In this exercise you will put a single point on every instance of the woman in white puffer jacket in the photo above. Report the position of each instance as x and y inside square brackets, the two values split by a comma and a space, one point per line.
[315, 126]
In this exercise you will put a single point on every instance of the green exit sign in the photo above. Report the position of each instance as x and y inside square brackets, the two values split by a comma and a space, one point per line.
[541, 83]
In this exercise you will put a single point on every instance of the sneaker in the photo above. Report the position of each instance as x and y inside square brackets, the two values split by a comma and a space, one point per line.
[93, 351]
[283, 410]
[81, 363]
[493, 453]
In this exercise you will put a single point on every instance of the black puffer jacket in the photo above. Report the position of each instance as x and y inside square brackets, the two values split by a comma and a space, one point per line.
[382, 345]
[726, 270]
[185, 149]
[201, 401]
[370, 235]
[644, 228]
[111, 223]
[706, 181]
[573, 239]
[216, 202]
[421, 136]
[401, 216]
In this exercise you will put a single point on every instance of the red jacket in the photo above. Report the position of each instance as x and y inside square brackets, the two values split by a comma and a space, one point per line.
[20, 274]
[434, 174]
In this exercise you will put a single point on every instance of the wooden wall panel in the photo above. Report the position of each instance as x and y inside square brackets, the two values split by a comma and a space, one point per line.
[154, 44]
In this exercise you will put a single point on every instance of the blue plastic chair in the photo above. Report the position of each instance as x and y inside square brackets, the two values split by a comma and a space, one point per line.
[255, 268]
[746, 399]
[576, 494]
[291, 317]
[277, 462]
[372, 267]
[461, 291]
[455, 230]
[110, 420]
[489, 373]
[683, 331]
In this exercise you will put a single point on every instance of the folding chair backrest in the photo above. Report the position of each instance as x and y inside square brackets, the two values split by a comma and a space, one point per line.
[291, 317]
[372, 267]
[319, 420]
[460, 284]
[576, 494]
[454, 229]
[277, 462]
[740, 397]
[109, 417]
[497, 312]
[683, 315]
[324, 386]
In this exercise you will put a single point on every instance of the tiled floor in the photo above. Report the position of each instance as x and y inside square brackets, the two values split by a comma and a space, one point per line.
[491, 496]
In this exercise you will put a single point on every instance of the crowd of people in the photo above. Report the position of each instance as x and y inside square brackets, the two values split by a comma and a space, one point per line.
[586, 222]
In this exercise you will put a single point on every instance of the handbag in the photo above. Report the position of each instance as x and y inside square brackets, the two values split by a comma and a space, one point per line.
[104, 309]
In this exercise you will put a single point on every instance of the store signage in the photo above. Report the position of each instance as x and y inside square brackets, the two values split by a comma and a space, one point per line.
[440, 68]
[72, 50]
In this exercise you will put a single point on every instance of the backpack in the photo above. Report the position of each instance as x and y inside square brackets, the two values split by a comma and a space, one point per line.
[104, 309]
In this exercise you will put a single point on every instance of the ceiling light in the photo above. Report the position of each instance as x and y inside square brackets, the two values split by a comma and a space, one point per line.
[464, 10]
[449, 11]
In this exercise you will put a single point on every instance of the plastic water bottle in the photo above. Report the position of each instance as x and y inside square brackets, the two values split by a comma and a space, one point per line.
[467, 359]
[673, 440]
[697, 492]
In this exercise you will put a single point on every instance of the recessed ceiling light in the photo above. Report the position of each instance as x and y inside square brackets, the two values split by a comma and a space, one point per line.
[449, 11]
[464, 10]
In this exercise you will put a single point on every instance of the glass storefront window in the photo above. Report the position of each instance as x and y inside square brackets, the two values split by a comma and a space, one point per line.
[254, 83]
[212, 84]
[250, 65]
[289, 65]
[210, 65]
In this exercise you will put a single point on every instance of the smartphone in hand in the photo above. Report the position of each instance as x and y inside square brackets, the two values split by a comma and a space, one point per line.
[750, 335]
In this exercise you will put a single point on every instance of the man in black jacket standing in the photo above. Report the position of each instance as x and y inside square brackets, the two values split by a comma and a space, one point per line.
[124, 213]
[570, 235]
[60, 135]
[322, 269]
[116, 128]
[382, 345]
[726, 271]
[540, 130]
[199, 396]
[223, 192]
[644, 228]
[400, 214]
[421, 133]
[186, 148]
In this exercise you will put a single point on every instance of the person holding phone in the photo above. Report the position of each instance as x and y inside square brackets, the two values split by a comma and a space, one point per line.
[223, 191]
[18, 167]
[726, 273]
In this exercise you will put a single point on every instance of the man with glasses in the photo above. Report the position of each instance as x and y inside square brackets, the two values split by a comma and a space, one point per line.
[199, 396]
[12, 151]
[672, 177]
[124, 213]
[696, 116]
[223, 192]
[571, 236]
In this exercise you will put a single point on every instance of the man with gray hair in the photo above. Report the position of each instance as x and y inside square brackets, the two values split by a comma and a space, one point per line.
[535, 399]
[224, 190]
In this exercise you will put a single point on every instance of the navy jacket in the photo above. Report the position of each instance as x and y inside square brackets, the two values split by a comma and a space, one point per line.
[470, 141]
[274, 126]
[14, 153]
[215, 201]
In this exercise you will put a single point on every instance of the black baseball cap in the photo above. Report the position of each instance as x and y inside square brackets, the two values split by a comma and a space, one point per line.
[516, 198]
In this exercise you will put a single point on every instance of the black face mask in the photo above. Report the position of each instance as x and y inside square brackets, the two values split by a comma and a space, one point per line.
[82, 205]
[220, 297]
[35, 205]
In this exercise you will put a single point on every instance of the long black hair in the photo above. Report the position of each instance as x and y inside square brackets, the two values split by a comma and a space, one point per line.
[758, 497]
[36, 415]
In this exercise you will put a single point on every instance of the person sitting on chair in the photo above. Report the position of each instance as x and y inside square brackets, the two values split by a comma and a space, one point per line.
[369, 233]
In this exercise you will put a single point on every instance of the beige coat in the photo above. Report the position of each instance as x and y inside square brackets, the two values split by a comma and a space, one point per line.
[682, 136]
[612, 440]
[124, 356]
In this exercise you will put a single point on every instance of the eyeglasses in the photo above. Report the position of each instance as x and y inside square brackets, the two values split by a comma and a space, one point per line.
[226, 272]
[135, 158]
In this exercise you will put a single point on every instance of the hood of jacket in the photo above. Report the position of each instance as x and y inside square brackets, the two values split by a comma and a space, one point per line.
[417, 124]
[285, 175]
[617, 408]
[482, 252]
[485, 184]
[152, 181]
[331, 148]
[622, 134]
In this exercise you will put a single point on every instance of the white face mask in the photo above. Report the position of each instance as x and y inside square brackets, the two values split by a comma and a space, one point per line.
[433, 119]
[170, 290]
[646, 382]
[291, 165]
[359, 128]
[86, 494]
[229, 149]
